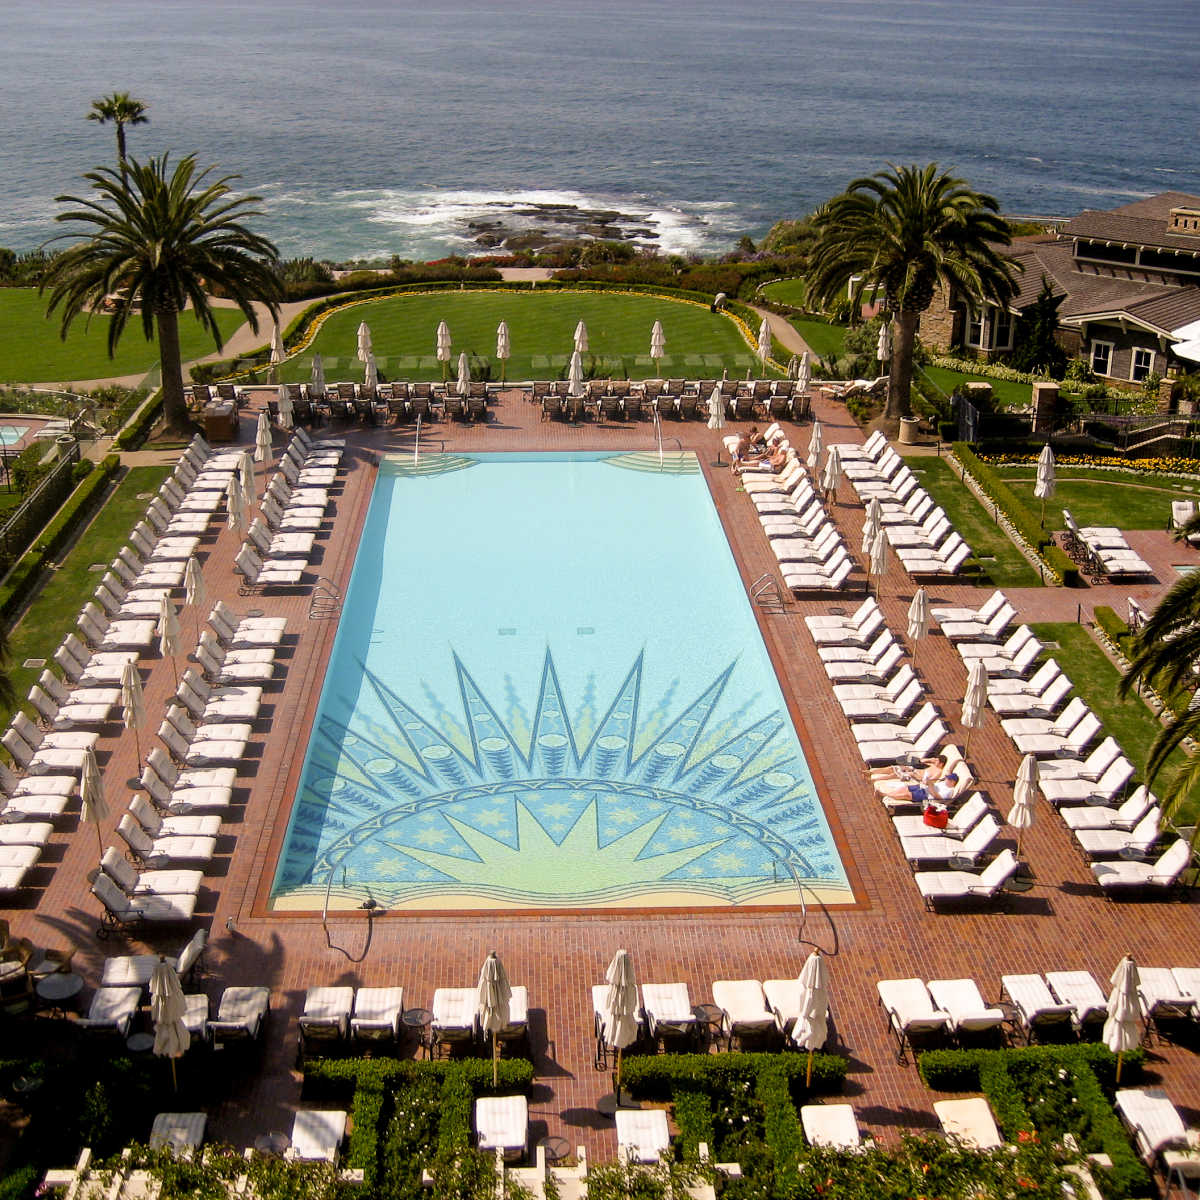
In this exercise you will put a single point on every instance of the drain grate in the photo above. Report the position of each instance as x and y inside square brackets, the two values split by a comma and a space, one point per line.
[507, 631]
[33, 664]
[97, 567]
[585, 629]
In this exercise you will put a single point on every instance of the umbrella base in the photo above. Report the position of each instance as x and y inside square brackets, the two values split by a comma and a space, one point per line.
[611, 1101]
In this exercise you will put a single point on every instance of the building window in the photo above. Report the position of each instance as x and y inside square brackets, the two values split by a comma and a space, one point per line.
[974, 328]
[1143, 364]
[1101, 357]
[1002, 329]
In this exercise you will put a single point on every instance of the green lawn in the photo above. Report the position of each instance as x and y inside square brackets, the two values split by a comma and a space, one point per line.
[1008, 394]
[1095, 677]
[1125, 499]
[541, 328]
[52, 615]
[826, 340]
[1002, 564]
[784, 291]
[32, 352]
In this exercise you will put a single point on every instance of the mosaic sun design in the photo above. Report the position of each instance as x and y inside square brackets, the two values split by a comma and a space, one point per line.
[607, 806]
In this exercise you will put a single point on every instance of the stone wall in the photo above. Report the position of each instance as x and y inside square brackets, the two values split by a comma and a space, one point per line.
[939, 322]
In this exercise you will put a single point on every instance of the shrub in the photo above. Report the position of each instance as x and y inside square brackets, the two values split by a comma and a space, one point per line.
[656, 1077]
[138, 427]
[694, 1116]
[781, 1128]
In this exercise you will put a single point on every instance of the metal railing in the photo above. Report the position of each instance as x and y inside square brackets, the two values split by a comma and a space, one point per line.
[766, 593]
[325, 601]
[29, 518]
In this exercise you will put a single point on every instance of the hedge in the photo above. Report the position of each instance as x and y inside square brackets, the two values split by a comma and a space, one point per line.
[138, 429]
[781, 1126]
[16, 589]
[1118, 632]
[657, 1077]
[1021, 518]
[694, 1116]
[1093, 1074]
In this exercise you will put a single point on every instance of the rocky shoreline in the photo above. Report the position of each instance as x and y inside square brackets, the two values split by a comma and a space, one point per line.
[540, 226]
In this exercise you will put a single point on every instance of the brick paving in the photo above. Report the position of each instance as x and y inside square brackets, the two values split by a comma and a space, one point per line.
[1063, 923]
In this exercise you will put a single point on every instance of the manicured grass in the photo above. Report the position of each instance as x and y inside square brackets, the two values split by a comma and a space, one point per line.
[1008, 394]
[1125, 499]
[31, 350]
[1096, 678]
[1003, 565]
[699, 344]
[784, 291]
[52, 615]
[825, 340]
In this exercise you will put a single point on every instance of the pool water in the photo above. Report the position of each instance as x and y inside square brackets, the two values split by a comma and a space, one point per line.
[10, 435]
[548, 691]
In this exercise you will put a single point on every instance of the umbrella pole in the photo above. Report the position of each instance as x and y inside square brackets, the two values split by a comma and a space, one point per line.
[808, 1072]
[617, 1080]
[1119, 1057]
[99, 838]
[1043, 517]
[137, 745]
[967, 743]
[174, 1077]
[175, 666]
[495, 1059]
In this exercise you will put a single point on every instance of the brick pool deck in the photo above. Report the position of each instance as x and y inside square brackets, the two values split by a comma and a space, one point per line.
[1062, 923]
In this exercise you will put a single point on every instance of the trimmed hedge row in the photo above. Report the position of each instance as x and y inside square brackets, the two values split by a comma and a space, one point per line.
[658, 1077]
[368, 1085]
[695, 1118]
[1092, 1070]
[781, 1127]
[138, 429]
[79, 506]
[1118, 632]
[1020, 517]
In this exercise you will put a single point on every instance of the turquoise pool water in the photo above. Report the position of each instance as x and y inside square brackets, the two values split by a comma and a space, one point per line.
[10, 435]
[548, 690]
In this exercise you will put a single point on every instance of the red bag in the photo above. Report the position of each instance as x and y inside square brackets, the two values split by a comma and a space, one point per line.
[936, 816]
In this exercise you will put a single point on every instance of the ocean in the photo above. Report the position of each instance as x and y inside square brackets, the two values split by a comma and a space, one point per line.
[379, 127]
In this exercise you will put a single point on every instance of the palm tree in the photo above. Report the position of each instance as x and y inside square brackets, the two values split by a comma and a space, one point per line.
[162, 240]
[1166, 656]
[121, 109]
[906, 230]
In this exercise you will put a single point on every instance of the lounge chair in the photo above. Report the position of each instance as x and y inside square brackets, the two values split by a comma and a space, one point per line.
[180, 792]
[895, 750]
[317, 1136]
[112, 1010]
[642, 1134]
[257, 574]
[667, 1010]
[1073, 743]
[957, 826]
[832, 1125]
[1037, 1010]
[156, 825]
[1162, 875]
[966, 850]
[911, 1012]
[1093, 767]
[240, 1015]
[855, 621]
[219, 668]
[744, 1011]
[1081, 790]
[326, 1015]
[783, 999]
[136, 883]
[180, 1133]
[876, 672]
[980, 615]
[1099, 816]
[122, 912]
[15, 864]
[1058, 726]
[377, 1013]
[970, 1122]
[964, 1003]
[158, 852]
[937, 887]
[903, 731]
[1162, 997]
[502, 1123]
[1137, 842]
[1080, 990]
[907, 690]
[1159, 1131]
[454, 1016]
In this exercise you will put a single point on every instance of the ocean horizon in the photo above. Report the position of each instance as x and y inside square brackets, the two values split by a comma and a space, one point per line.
[392, 128]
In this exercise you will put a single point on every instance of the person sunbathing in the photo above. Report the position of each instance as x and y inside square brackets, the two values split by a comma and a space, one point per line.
[937, 782]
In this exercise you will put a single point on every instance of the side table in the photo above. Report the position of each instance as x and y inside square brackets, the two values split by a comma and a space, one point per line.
[419, 1020]
[57, 991]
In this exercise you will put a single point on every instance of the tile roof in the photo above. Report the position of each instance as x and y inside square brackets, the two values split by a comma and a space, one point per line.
[1136, 230]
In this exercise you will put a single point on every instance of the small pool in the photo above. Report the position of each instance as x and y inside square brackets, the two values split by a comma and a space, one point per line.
[548, 691]
[10, 435]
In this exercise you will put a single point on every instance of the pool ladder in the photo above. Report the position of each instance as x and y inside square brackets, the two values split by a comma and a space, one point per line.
[326, 600]
[765, 592]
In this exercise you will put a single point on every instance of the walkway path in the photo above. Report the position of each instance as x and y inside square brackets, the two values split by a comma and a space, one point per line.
[785, 333]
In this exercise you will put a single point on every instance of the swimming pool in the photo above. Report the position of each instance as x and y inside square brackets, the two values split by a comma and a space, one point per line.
[548, 691]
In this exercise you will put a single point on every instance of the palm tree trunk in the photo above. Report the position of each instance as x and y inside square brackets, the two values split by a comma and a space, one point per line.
[121, 147]
[900, 384]
[171, 368]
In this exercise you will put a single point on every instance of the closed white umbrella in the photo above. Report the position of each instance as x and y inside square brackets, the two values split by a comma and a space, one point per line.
[716, 416]
[495, 997]
[168, 1008]
[792, 367]
[276, 346]
[1045, 484]
[803, 373]
[1020, 816]
[316, 380]
[764, 342]
[974, 699]
[658, 345]
[443, 347]
[1121, 1031]
[245, 480]
[503, 348]
[364, 341]
[575, 375]
[816, 443]
[620, 1012]
[370, 375]
[879, 558]
[235, 506]
[133, 704]
[872, 524]
[262, 436]
[832, 475]
[168, 633]
[581, 338]
[464, 375]
[883, 348]
[91, 792]
[811, 1030]
[918, 620]
[194, 592]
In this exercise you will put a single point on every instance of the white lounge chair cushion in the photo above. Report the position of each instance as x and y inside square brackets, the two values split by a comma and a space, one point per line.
[502, 1123]
[240, 1013]
[316, 1136]
[178, 1132]
[454, 1009]
[642, 1134]
[327, 1008]
[377, 1010]
[970, 1121]
[744, 1004]
[830, 1125]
